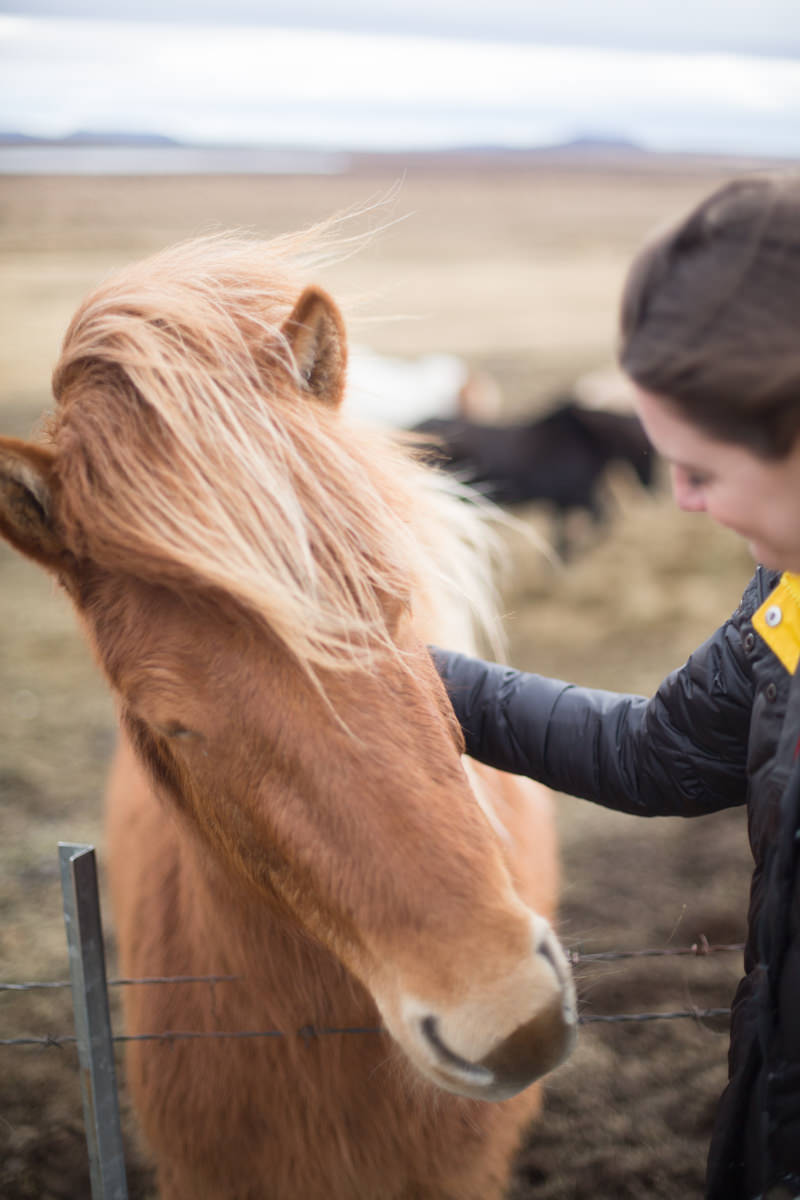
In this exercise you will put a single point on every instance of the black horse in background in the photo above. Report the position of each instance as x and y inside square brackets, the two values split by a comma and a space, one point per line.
[560, 458]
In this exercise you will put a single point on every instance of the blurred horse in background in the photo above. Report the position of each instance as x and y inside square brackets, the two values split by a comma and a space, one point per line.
[560, 458]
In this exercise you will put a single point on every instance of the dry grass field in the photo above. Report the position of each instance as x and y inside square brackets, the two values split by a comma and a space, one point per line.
[519, 270]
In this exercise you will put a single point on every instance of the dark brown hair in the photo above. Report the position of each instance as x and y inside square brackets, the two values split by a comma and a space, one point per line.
[710, 315]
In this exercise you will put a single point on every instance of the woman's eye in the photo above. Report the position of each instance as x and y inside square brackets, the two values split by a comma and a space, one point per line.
[697, 479]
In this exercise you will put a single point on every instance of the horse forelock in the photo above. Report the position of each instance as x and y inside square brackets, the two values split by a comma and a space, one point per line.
[187, 454]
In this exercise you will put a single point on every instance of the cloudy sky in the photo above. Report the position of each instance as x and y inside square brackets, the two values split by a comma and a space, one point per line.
[716, 75]
[739, 26]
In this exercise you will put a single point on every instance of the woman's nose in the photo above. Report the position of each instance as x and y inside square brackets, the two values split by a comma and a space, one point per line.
[689, 496]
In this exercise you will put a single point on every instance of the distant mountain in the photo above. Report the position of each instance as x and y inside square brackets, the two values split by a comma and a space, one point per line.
[88, 137]
[588, 149]
[581, 147]
[591, 144]
[16, 139]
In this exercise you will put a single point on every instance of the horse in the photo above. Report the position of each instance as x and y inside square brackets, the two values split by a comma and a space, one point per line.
[288, 805]
[560, 458]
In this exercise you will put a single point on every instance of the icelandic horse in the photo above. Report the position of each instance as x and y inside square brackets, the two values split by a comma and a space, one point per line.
[288, 803]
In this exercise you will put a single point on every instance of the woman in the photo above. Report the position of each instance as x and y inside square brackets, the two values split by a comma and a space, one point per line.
[710, 336]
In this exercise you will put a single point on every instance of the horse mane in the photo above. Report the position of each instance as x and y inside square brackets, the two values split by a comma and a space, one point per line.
[186, 455]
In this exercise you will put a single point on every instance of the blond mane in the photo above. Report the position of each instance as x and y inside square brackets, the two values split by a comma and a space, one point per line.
[187, 455]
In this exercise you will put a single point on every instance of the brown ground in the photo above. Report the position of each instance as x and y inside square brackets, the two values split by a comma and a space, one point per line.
[519, 270]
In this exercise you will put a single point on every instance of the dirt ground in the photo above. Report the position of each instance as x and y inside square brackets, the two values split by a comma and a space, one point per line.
[519, 270]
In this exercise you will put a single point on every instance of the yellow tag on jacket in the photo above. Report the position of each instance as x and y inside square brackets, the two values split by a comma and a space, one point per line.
[777, 621]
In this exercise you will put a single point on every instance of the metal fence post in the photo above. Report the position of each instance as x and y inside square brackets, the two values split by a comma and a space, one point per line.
[92, 1022]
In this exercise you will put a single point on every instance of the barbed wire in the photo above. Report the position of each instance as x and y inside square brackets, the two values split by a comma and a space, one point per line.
[65, 983]
[702, 948]
[309, 1032]
[697, 1014]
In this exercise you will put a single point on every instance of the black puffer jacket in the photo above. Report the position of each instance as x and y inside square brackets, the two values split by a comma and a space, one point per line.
[723, 730]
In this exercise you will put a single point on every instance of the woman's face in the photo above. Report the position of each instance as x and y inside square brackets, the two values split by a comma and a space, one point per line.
[758, 498]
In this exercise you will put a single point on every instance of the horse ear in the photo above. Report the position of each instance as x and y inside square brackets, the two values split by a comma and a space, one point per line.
[315, 331]
[26, 501]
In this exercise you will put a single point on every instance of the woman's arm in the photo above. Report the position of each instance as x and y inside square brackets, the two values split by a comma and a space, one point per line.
[683, 752]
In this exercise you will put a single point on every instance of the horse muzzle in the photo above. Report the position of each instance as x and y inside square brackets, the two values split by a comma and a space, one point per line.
[500, 1035]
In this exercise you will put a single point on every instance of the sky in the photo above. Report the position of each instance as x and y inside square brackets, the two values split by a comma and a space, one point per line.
[711, 77]
[732, 26]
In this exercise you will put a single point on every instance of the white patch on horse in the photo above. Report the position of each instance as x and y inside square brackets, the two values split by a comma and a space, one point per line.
[481, 794]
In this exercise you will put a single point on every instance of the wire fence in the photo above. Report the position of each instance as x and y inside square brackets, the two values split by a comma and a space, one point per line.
[702, 948]
[89, 984]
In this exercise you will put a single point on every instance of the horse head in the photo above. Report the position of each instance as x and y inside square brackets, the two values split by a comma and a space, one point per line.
[246, 567]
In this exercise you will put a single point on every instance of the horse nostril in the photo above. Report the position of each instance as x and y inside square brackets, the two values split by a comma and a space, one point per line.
[552, 954]
[552, 957]
[547, 954]
[430, 1028]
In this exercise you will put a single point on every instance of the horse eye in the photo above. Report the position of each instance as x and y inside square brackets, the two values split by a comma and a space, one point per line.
[176, 731]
